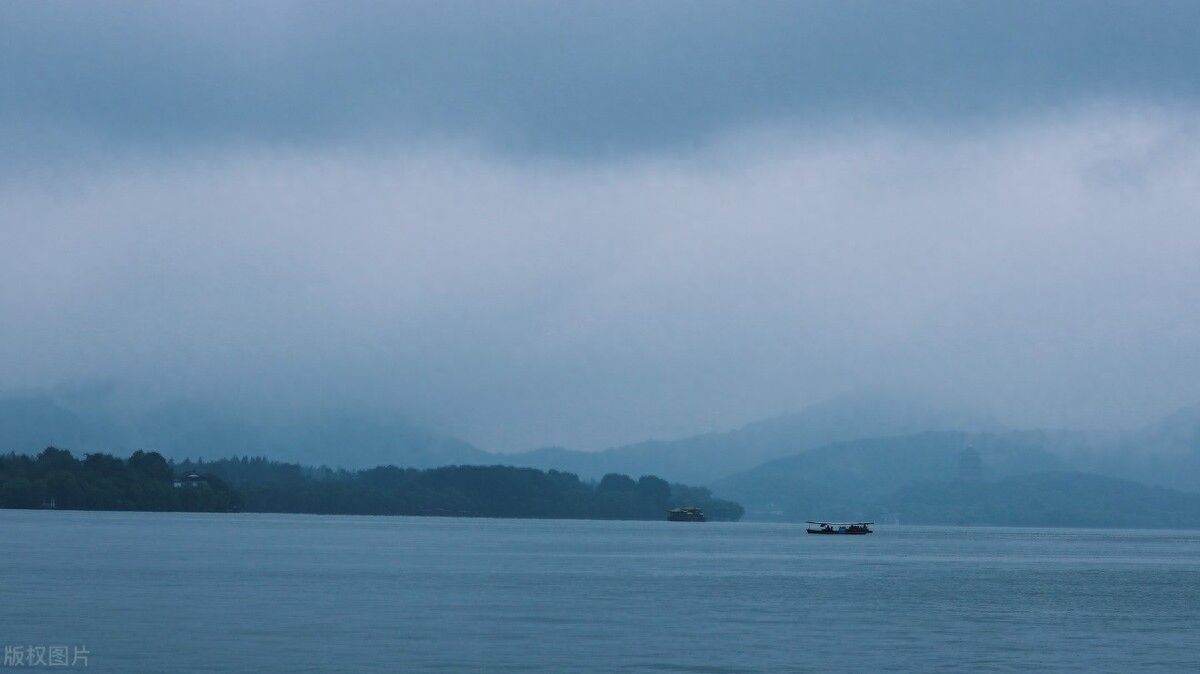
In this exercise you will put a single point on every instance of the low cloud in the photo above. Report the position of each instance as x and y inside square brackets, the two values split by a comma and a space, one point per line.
[1043, 268]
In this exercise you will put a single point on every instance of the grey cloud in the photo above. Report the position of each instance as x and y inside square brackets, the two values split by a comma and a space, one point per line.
[587, 305]
[384, 204]
[569, 79]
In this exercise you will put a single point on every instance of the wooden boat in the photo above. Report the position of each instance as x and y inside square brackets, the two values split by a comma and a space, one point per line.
[688, 514]
[846, 528]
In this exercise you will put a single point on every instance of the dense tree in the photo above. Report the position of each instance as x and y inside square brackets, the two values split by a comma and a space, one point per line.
[478, 491]
[655, 490]
[617, 482]
[55, 478]
[151, 465]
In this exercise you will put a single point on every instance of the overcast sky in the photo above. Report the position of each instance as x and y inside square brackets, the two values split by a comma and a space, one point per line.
[590, 223]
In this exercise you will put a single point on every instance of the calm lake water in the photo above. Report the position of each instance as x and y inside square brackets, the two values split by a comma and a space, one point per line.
[290, 593]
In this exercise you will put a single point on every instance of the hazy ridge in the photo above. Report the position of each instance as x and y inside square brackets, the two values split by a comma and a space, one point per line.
[867, 456]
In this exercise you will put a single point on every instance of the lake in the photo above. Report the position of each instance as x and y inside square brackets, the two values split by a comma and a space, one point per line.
[157, 592]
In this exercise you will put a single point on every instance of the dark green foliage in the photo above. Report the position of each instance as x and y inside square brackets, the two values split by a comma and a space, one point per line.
[57, 479]
[151, 465]
[467, 491]
[144, 481]
[615, 482]
[655, 490]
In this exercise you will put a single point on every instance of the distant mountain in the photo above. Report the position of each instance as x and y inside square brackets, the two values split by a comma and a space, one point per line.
[706, 458]
[846, 480]
[183, 429]
[1036, 478]
[343, 438]
[1046, 499]
[1165, 454]
[838, 457]
[1179, 430]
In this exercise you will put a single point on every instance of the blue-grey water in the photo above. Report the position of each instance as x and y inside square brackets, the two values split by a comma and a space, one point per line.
[143, 592]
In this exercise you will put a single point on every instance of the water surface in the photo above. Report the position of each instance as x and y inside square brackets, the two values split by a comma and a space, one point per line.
[153, 592]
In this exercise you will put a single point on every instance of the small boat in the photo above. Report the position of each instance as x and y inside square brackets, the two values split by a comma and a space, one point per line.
[688, 514]
[849, 528]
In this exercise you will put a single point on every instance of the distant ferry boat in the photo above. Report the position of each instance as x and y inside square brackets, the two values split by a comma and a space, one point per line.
[688, 514]
[851, 528]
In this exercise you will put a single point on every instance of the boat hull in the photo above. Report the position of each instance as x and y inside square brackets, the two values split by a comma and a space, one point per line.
[691, 514]
[834, 532]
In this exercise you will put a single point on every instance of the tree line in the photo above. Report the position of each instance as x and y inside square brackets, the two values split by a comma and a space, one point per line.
[462, 491]
[146, 481]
